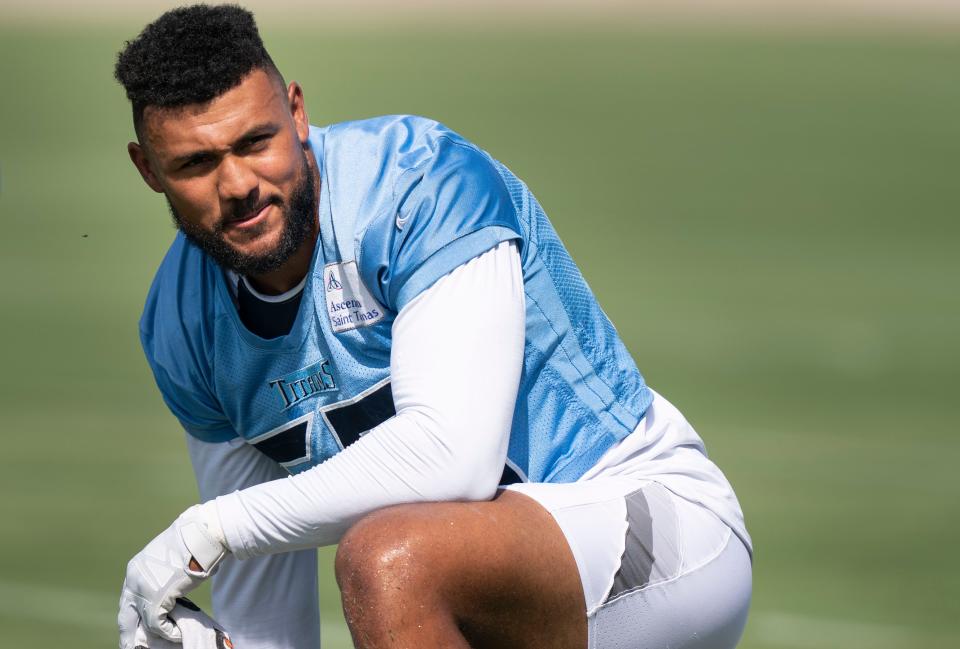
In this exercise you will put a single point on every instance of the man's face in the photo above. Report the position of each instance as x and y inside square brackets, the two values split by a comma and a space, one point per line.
[235, 173]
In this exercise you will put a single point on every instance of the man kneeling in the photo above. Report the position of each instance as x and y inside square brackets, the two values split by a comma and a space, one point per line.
[374, 337]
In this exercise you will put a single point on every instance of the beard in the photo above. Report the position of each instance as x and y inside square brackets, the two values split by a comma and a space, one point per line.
[299, 216]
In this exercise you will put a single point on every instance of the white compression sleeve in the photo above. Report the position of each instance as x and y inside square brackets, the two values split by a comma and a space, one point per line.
[455, 368]
[267, 602]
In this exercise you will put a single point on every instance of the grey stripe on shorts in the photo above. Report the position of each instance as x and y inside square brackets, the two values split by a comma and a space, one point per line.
[651, 550]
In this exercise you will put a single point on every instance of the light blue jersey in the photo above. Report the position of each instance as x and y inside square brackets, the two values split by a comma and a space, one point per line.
[403, 201]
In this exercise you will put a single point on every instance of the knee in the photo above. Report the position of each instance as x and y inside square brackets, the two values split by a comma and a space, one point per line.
[384, 560]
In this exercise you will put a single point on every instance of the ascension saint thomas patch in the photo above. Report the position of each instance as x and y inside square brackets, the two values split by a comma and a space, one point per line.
[349, 304]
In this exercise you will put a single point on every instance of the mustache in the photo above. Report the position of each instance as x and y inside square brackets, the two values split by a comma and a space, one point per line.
[243, 210]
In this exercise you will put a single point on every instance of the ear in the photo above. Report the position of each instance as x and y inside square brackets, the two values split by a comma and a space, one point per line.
[139, 158]
[299, 111]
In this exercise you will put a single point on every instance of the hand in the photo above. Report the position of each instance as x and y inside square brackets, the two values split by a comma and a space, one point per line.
[171, 565]
[198, 630]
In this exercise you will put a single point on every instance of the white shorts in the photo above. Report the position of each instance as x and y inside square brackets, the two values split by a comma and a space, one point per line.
[657, 570]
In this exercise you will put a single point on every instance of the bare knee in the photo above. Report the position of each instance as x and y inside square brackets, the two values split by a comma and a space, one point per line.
[385, 565]
[460, 575]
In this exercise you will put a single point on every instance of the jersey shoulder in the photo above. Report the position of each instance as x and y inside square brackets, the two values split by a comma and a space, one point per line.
[180, 295]
[419, 199]
[176, 332]
[363, 162]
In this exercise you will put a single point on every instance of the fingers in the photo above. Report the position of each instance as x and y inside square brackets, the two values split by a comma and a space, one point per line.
[134, 632]
[159, 623]
[197, 631]
[147, 640]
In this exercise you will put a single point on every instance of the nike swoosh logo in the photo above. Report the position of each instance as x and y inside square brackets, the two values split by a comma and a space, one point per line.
[401, 221]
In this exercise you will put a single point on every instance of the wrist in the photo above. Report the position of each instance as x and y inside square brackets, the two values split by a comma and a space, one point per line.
[200, 532]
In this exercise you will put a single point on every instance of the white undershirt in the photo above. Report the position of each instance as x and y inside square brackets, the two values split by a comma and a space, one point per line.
[455, 363]
[263, 297]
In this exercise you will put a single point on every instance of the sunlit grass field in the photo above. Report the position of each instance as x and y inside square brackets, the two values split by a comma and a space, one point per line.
[770, 218]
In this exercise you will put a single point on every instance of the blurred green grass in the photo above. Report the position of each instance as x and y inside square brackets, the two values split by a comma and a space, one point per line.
[769, 218]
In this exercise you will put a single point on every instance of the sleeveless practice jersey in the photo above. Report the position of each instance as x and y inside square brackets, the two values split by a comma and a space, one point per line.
[403, 201]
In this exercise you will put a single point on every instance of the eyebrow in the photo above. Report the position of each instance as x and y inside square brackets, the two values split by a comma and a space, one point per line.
[266, 128]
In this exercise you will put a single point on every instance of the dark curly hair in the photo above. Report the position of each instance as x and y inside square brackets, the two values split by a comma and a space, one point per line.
[191, 55]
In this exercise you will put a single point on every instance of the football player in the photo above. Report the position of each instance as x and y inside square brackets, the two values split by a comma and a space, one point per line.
[373, 336]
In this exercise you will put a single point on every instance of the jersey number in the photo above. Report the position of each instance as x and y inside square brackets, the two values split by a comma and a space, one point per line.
[290, 444]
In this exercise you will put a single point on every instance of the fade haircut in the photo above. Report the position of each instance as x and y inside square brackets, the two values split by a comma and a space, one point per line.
[191, 55]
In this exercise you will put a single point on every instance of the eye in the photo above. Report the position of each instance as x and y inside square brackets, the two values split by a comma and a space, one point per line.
[257, 142]
[195, 161]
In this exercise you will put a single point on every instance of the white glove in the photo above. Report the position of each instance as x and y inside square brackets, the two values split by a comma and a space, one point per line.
[161, 573]
[198, 630]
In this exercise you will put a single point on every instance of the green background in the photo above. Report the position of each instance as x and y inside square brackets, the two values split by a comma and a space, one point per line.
[768, 215]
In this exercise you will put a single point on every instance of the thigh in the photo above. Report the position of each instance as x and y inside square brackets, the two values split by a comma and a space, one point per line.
[503, 570]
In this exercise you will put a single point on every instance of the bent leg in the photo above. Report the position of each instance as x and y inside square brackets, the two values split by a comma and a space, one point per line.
[480, 574]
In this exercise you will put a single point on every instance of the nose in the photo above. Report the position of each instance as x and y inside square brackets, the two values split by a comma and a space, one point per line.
[237, 180]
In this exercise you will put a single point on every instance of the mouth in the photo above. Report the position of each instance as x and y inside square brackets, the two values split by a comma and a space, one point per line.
[247, 220]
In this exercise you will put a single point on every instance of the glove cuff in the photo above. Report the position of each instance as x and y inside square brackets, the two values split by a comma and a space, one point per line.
[201, 543]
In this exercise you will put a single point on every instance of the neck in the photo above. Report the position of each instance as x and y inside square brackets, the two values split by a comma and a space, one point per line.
[294, 269]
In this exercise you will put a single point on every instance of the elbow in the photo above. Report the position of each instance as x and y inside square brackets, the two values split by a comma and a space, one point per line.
[475, 470]
[478, 485]
[468, 465]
